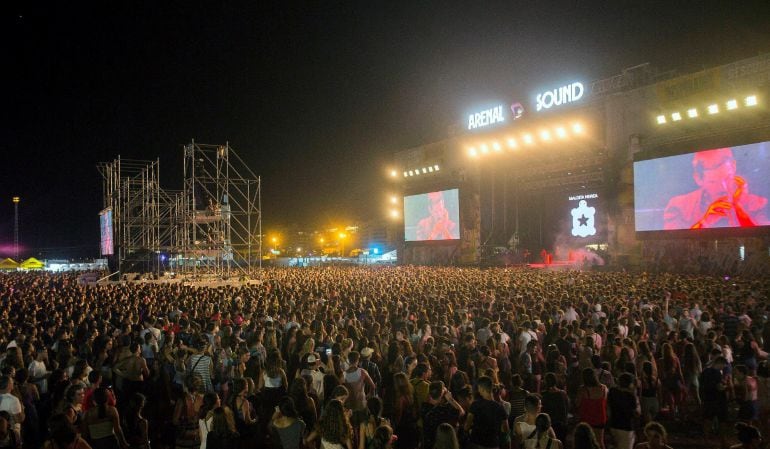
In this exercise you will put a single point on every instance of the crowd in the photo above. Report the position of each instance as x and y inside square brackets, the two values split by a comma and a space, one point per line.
[375, 358]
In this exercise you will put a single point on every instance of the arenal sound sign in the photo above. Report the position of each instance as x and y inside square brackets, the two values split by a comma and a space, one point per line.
[559, 96]
[486, 117]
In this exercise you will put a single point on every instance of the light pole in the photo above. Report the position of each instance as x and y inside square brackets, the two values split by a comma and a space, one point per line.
[16, 201]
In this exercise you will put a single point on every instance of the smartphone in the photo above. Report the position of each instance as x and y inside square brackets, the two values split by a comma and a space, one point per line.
[328, 351]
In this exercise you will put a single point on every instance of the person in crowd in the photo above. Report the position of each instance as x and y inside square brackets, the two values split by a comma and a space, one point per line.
[135, 426]
[101, 424]
[584, 437]
[64, 435]
[357, 381]
[656, 437]
[371, 422]
[591, 402]
[556, 405]
[222, 434]
[623, 406]
[286, 426]
[440, 408]
[333, 428]
[748, 435]
[8, 436]
[205, 415]
[486, 418]
[186, 412]
[446, 437]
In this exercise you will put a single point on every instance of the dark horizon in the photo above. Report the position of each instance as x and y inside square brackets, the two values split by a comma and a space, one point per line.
[315, 98]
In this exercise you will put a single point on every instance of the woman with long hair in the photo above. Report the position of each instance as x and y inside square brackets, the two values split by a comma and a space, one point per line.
[672, 378]
[305, 405]
[584, 437]
[591, 402]
[101, 424]
[649, 389]
[243, 414]
[135, 425]
[383, 438]
[222, 434]
[205, 415]
[186, 412]
[656, 437]
[543, 434]
[333, 428]
[372, 421]
[404, 414]
[691, 369]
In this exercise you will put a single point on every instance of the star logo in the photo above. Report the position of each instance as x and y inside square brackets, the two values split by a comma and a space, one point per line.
[583, 220]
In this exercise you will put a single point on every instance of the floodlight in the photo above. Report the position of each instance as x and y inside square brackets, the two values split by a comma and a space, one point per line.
[424, 170]
[661, 119]
[417, 172]
[411, 173]
[393, 173]
[732, 104]
[692, 112]
[512, 143]
[394, 213]
[394, 200]
[528, 139]
[577, 128]
[713, 108]
[484, 148]
[496, 146]
[676, 116]
[561, 133]
[751, 100]
[435, 167]
[430, 169]
[545, 135]
[472, 152]
[406, 174]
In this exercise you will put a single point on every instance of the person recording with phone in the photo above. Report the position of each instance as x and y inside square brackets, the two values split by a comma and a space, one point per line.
[721, 200]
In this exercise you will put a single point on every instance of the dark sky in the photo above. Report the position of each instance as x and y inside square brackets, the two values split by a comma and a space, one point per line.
[315, 96]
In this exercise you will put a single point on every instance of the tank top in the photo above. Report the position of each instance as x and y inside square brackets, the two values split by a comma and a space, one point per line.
[272, 382]
[355, 383]
[593, 411]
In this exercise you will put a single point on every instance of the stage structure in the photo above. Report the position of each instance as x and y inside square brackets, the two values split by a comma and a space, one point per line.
[146, 218]
[222, 226]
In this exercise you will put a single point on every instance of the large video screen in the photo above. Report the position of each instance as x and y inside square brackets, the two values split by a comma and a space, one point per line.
[713, 188]
[432, 216]
[105, 225]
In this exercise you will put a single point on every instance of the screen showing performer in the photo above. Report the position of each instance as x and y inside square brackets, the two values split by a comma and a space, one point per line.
[105, 224]
[432, 216]
[717, 188]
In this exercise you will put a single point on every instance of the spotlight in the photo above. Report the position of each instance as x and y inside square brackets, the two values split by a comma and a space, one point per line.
[528, 139]
[430, 169]
[692, 112]
[661, 119]
[393, 200]
[424, 170]
[435, 167]
[417, 172]
[393, 173]
[561, 133]
[394, 213]
[732, 104]
[411, 173]
[751, 100]
[676, 116]
[484, 148]
[472, 152]
[406, 174]
[512, 143]
[713, 109]
[496, 146]
[545, 135]
[577, 128]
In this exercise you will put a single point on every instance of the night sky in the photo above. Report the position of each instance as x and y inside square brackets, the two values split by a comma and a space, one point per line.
[315, 96]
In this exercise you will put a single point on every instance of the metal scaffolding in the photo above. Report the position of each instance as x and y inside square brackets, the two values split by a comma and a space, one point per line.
[143, 214]
[222, 226]
[213, 226]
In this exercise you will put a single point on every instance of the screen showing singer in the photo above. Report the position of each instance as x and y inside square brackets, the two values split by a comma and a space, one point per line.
[432, 216]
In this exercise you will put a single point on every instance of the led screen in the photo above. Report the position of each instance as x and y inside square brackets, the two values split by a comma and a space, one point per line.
[715, 188]
[583, 215]
[432, 216]
[105, 224]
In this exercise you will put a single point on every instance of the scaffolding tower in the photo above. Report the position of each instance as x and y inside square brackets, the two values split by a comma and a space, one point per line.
[145, 216]
[222, 219]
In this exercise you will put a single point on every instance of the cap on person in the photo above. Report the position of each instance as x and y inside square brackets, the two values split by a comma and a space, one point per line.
[367, 352]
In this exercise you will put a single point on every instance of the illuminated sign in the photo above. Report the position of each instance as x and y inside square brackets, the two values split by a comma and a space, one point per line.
[486, 117]
[583, 216]
[562, 95]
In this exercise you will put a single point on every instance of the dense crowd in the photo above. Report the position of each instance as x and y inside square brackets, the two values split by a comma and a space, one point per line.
[374, 358]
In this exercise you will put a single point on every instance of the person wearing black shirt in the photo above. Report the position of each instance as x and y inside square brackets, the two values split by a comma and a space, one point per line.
[440, 408]
[486, 418]
[624, 407]
[713, 395]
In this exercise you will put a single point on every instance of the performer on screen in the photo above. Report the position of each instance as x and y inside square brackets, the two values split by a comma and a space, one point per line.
[722, 199]
[437, 225]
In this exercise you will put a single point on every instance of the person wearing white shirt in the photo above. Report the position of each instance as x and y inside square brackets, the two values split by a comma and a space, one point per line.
[10, 403]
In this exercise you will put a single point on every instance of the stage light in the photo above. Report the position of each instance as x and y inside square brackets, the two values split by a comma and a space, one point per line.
[394, 200]
[512, 143]
[417, 172]
[394, 213]
[484, 148]
[299, 250]
[406, 174]
[424, 170]
[496, 146]
[393, 173]
[430, 169]
[435, 167]
[751, 100]
[561, 133]
[545, 135]
[528, 139]
[472, 152]
[676, 116]
[692, 112]
[411, 173]
[577, 128]
[661, 119]
[713, 109]
[732, 104]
